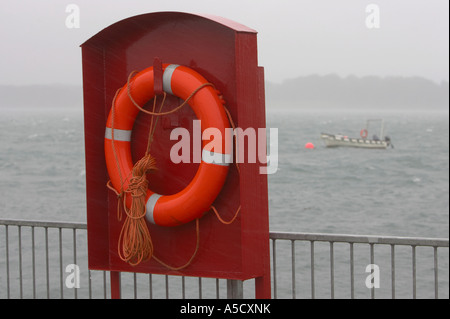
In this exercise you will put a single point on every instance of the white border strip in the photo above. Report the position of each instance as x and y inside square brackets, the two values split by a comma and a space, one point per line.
[119, 135]
[167, 78]
[216, 158]
[150, 207]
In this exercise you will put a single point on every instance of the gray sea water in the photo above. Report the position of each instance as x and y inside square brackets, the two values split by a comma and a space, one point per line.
[400, 191]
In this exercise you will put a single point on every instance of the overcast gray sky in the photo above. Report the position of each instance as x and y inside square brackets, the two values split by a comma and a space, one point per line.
[295, 37]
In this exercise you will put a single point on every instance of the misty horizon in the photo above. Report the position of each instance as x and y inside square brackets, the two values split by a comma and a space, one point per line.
[313, 91]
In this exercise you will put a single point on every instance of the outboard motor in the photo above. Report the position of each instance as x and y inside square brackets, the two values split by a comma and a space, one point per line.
[388, 141]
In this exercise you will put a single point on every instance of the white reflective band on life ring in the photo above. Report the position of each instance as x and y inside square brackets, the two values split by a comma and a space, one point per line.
[167, 78]
[150, 207]
[216, 158]
[119, 135]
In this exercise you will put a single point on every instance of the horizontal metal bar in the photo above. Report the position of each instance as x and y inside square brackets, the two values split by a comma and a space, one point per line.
[345, 238]
[42, 223]
[361, 239]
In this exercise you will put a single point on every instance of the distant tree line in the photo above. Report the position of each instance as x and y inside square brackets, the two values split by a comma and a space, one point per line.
[332, 92]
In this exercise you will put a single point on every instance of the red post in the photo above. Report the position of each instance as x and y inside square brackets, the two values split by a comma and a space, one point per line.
[115, 285]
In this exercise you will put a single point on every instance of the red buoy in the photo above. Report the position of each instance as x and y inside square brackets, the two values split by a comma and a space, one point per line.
[309, 146]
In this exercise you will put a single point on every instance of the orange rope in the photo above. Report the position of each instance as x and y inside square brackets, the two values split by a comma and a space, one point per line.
[197, 230]
[162, 113]
[135, 242]
[223, 221]
[238, 170]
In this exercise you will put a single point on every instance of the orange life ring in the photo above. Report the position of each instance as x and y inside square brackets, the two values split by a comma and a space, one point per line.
[197, 197]
[364, 133]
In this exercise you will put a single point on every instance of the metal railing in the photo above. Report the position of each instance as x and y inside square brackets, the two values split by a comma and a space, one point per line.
[366, 263]
[40, 259]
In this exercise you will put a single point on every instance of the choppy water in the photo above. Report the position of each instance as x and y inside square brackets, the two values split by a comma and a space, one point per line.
[402, 191]
[42, 164]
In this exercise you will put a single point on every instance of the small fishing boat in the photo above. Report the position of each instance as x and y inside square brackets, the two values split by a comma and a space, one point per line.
[381, 142]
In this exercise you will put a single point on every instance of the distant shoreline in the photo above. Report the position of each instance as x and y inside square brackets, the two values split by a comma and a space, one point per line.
[329, 92]
[360, 93]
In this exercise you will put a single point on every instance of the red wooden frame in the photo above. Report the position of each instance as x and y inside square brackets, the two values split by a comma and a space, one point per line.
[225, 53]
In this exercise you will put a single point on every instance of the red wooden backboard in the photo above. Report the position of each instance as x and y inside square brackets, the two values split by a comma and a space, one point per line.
[225, 53]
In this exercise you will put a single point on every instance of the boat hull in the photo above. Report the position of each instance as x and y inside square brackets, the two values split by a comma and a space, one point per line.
[331, 140]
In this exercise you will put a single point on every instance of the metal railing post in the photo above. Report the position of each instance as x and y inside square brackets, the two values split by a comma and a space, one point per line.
[235, 289]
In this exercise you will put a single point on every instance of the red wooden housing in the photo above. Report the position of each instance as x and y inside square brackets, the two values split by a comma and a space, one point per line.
[225, 53]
